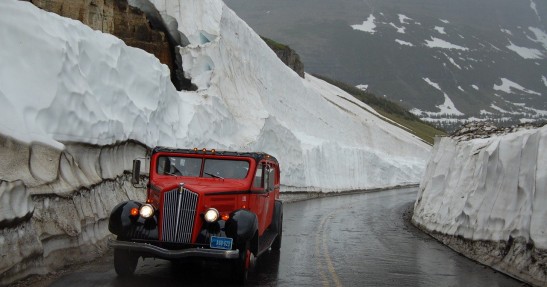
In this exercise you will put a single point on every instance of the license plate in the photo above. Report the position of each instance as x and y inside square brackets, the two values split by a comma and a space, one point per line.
[221, 242]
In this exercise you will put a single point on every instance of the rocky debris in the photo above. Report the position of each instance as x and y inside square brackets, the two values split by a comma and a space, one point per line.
[474, 130]
[516, 257]
[287, 56]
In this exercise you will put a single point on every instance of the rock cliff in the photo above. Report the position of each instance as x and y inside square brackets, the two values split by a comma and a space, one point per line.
[124, 21]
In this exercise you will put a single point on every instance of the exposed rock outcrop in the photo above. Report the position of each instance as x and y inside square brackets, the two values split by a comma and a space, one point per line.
[287, 55]
[115, 17]
[126, 22]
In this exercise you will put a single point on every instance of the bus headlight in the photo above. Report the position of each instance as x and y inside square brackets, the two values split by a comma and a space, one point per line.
[146, 211]
[211, 215]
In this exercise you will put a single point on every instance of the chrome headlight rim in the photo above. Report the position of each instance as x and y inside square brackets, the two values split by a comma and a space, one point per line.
[211, 215]
[146, 210]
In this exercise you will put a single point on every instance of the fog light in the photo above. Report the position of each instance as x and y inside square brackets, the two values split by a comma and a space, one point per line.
[134, 211]
[211, 215]
[146, 211]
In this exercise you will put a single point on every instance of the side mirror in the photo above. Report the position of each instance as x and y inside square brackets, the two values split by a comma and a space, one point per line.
[136, 171]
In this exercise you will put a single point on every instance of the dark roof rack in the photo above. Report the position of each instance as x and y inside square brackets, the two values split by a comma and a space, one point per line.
[256, 155]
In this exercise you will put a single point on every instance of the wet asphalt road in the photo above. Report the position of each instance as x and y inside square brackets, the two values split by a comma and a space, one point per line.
[352, 240]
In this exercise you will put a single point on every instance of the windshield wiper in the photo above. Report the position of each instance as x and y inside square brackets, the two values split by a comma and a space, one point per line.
[213, 175]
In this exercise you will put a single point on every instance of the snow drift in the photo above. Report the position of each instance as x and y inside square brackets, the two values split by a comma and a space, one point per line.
[486, 198]
[78, 105]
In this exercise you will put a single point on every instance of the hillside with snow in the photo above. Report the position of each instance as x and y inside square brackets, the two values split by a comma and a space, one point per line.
[449, 61]
[484, 194]
[79, 105]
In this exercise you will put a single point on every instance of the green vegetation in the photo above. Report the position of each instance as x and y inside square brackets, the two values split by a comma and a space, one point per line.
[273, 44]
[390, 110]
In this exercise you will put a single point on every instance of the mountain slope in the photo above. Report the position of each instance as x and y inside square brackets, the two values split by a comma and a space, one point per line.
[446, 59]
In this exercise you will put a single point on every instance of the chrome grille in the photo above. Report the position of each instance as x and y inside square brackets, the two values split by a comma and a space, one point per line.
[179, 210]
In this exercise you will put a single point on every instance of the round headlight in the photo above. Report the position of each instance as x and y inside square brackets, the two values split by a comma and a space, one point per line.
[146, 210]
[211, 215]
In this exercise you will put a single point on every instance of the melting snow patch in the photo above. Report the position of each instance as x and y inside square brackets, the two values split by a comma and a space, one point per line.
[367, 26]
[544, 80]
[452, 61]
[526, 53]
[448, 107]
[362, 87]
[533, 6]
[440, 30]
[439, 43]
[444, 21]
[541, 37]
[404, 19]
[433, 84]
[508, 85]
[461, 89]
[475, 87]
[416, 112]
[538, 112]
[404, 43]
[507, 32]
[399, 29]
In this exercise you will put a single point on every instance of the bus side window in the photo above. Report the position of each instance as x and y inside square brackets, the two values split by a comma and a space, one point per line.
[271, 179]
[258, 177]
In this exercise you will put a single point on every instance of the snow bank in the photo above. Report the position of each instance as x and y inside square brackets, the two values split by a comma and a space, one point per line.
[255, 102]
[92, 88]
[490, 189]
[54, 205]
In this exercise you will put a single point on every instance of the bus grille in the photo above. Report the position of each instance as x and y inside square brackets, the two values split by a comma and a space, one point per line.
[179, 210]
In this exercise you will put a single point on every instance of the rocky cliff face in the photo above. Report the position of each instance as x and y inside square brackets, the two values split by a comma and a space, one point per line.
[126, 22]
[115, 17]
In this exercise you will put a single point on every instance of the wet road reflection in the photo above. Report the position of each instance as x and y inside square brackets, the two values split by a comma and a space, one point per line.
[353, 240]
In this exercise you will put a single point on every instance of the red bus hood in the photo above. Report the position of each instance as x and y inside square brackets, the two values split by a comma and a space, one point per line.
[203, 185]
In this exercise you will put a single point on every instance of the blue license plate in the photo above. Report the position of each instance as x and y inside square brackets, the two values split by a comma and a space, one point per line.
[221, 242]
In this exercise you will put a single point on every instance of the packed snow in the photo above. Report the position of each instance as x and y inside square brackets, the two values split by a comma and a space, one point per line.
[490, 189]
[507, 86]
[367, 26]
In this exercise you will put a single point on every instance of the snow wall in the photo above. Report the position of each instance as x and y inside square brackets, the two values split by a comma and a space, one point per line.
[78, 105]
[487, 198]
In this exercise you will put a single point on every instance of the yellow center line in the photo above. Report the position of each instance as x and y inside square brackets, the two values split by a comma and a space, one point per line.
[322, 252]
[319, 259]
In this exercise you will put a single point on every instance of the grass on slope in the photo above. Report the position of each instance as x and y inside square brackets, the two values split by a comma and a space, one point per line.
[391, 111]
